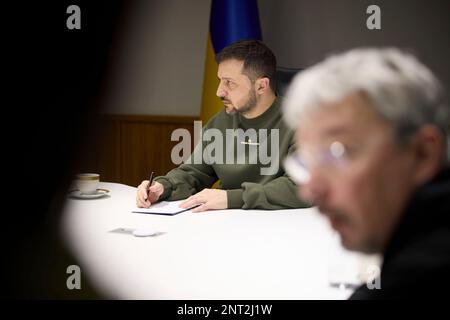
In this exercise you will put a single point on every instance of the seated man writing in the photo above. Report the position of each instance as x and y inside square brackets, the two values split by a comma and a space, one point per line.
[250, 140]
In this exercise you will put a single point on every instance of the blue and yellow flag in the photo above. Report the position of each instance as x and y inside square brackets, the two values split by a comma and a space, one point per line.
[230, 21]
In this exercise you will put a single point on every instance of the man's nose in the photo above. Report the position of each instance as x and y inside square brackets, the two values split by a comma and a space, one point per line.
[315, 190]
[221, 93]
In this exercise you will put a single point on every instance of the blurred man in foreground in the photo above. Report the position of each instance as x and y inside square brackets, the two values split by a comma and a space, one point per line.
[373, 126]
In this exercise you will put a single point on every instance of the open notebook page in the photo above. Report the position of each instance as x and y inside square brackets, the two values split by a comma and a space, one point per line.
[164, 207]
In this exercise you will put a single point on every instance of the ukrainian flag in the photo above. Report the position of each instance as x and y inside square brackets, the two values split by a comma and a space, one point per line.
[230, 21]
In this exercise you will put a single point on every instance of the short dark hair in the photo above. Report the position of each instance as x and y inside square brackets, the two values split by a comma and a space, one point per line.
[259, 60]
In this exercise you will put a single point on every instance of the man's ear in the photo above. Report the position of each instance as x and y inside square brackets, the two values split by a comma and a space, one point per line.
[429, 148]
[262, 85]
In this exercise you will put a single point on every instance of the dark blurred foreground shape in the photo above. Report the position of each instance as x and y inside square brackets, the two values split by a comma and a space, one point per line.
[56, 85]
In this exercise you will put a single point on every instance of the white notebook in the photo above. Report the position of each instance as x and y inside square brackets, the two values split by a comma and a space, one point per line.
[168, 208]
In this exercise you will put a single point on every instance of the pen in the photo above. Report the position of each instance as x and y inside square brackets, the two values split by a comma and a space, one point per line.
[150, 182]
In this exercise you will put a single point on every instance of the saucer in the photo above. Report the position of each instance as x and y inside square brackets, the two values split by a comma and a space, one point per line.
[98, 194]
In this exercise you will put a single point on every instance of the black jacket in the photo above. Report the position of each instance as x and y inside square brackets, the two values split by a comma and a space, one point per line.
[417, 258]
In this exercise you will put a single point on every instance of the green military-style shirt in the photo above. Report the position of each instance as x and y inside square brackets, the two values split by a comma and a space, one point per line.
[252, 181]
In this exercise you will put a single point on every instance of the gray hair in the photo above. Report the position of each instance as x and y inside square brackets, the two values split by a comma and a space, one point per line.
[399, 87]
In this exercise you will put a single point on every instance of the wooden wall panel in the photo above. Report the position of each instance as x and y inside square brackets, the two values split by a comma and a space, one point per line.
[109, 151]
[131, 146]
[100, 150]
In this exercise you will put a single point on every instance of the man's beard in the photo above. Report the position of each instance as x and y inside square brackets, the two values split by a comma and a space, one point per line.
[248, 106]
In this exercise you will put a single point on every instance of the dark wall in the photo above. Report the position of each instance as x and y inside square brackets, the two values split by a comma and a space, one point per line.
[303, 32]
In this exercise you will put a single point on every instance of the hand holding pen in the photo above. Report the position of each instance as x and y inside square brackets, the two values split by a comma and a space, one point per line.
[149, 192]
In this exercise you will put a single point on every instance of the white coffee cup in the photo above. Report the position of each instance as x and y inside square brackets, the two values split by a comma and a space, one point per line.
[87, 182]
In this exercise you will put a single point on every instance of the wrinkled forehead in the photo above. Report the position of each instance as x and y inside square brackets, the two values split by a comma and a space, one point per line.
[350, 117]
[231, 68]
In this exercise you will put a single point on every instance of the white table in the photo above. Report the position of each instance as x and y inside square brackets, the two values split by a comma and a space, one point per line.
[226, 254]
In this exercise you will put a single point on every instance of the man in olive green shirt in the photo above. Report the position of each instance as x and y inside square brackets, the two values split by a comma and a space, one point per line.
[254, 142]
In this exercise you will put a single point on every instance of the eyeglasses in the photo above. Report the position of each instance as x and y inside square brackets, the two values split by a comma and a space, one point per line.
[328, 160]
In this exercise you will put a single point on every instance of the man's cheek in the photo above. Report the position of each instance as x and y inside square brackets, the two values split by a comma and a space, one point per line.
[360, 184]
[367, 202]
[351, 198]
